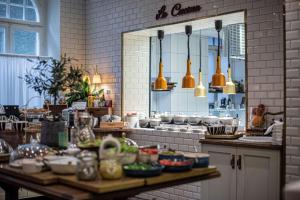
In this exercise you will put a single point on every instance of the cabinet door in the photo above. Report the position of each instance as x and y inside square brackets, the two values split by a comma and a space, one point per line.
[224, 187]
[259, 175]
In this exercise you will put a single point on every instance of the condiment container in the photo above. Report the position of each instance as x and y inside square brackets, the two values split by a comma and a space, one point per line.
[111, 169]
[87, 166]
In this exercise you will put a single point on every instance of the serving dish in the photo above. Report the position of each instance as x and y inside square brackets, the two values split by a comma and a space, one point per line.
[154, 122]
[142, 170]
[144, 123]
[194, 119]
[170, 155]
[226, 120]
[210, 119]
[180, 119]
[63, 165]
[200, 159]
[31, 166]
[216, 129]
[166, 118]
[177, 165]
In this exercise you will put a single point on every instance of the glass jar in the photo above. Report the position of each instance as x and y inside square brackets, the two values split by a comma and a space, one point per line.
[87, 166]
[111, 169]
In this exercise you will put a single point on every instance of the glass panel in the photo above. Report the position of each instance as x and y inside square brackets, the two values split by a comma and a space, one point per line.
[30, 14]
[25, 42]
[17, 1]
[2, 0]
[2, 36]
[29, 3]
[16, 12]
[2, 10]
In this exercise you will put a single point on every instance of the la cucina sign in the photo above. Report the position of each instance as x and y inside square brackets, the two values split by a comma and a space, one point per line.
[177, 10]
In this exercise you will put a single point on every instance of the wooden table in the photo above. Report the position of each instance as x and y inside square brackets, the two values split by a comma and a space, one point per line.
[69, 188]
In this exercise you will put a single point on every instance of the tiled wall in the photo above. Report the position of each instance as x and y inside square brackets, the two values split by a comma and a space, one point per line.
[107, 19]
[293, 90]
[178, 141]
[136, 74]
[73, 28]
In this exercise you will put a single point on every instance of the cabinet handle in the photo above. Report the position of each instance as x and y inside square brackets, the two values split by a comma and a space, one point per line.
[232, 161]
[239, 162]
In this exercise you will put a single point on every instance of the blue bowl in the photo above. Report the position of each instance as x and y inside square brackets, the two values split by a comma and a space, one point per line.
[200, 161]
[156, 170]
[170, 157]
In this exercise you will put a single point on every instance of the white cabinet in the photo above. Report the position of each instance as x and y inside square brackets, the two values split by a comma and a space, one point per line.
[246, 173]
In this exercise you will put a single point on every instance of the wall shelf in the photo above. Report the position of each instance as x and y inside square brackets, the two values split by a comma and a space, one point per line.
[171, 86]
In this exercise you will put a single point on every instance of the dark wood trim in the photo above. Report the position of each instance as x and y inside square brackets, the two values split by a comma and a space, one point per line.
[237, 143]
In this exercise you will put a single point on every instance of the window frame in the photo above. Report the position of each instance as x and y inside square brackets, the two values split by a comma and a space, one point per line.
[35, 26]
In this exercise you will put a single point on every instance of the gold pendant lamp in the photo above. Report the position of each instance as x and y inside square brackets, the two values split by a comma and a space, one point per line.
[188, 80]
[200, 90]
[218, 79]
[160, 82]
[230, 86]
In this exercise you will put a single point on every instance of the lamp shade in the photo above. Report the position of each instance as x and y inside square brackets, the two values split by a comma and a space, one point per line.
[188, 80]
[160, 82]
[230, 86]
[218, 79]
[96, 79]
[200, 90]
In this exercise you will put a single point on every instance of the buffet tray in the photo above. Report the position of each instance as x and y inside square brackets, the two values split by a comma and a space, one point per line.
[224, 137]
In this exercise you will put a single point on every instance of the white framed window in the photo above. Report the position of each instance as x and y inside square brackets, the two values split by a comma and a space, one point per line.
[21, 30]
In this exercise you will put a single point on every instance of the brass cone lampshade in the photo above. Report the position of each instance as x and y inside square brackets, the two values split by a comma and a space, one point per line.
[188, 80]
[218, 79]
[230, 86]
[160, 82]
[200, 90]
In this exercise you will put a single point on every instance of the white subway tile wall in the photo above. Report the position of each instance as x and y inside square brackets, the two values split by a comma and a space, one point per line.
[99, 42]
[177, 141]
[292, 90]
[73, 29]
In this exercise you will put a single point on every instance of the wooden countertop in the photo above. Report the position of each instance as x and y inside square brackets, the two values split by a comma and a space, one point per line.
[239, 143]
[68, 187]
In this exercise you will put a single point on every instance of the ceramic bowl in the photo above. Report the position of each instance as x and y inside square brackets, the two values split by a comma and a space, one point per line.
[200, 159]
[166, 118]
[64, 165]
[31, 166]
[144, 123]
[128, 158]
[226, 120]
[154, 122]
[210, 119]
[194, 119]
[180, 119]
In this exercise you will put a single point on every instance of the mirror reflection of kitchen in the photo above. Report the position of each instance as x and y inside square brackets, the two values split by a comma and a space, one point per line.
[177, 100]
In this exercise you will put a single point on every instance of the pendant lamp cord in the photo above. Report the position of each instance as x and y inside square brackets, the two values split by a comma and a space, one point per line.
[200, 50]
[228, 44]
[218, 43]
[188, 45]
[160, 53]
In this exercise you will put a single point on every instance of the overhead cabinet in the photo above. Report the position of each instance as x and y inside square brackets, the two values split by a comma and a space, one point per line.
[246, 173]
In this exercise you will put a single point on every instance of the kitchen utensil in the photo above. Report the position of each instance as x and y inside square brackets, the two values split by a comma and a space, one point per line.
[87, 166]
[200, 159]
[63, 165]
[142, 170]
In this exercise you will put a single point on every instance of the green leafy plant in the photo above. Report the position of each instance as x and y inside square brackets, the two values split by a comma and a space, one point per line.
[52, 76]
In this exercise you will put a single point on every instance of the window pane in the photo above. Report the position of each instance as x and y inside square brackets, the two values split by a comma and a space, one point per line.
[29, 3]
[2, 10]
[2, 36]
[2, 0]
[16, 12]
[25, 42]
[30, 14]
[17, 1]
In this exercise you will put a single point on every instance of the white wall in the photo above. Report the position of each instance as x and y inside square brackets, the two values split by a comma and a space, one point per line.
[53, 28]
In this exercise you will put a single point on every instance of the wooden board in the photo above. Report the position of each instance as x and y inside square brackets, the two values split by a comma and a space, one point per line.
[224, 137]
[102, 186]
[44, 178]
[169, 177]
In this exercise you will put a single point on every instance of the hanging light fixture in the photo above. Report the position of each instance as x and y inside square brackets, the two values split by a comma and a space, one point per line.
[230, 86]
[200, 90]
[96, 77]
[160, 82]
[188, 80]
[218, 79]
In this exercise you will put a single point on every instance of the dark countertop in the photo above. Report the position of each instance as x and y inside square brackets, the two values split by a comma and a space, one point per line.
[238, 143]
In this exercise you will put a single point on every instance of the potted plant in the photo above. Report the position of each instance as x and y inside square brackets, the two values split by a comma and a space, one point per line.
[50, 77]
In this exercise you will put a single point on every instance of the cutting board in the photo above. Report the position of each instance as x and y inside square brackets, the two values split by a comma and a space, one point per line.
[169, 177]
[102, 186]
[44, 178]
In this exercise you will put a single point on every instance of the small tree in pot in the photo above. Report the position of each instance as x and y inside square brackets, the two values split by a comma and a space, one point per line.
[51, 76]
